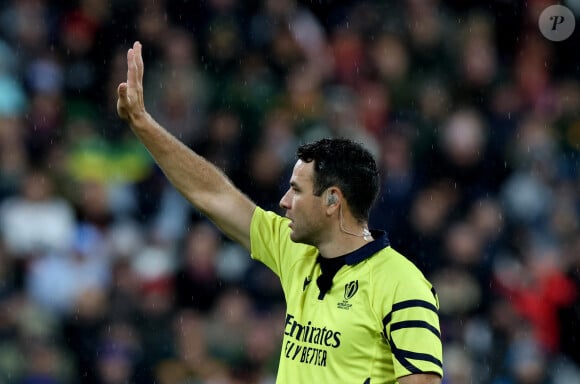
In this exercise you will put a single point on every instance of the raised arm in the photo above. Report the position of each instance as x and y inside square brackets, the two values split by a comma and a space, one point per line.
[202, 184]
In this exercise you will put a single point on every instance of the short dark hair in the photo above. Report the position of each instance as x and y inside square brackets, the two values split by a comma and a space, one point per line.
[347, 165]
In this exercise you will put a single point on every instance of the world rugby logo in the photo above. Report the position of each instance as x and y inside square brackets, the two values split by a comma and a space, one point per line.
[350, 289]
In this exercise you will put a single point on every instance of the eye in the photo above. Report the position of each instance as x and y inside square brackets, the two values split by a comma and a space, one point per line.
[294, 188]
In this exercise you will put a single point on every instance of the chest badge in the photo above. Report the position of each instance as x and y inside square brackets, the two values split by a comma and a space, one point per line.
[350, 289]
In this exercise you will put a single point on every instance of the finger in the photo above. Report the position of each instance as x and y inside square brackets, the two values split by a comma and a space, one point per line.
[131, 72]
[137, 49]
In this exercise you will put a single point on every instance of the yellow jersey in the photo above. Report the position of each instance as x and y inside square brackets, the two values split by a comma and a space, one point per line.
[379, 320]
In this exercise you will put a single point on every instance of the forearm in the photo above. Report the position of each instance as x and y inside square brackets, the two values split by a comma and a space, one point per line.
[204, 185]
[191, 174]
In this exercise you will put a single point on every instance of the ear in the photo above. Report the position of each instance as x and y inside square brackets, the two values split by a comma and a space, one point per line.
[333, 198]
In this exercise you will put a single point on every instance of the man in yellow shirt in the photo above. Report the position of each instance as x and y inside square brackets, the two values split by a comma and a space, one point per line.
[357, 311]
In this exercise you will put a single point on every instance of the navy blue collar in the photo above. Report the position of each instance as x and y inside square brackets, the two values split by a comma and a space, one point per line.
[329, 267]
[381, 241]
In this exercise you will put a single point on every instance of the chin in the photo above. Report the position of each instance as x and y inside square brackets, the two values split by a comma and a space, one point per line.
[295, 237]
[299, 239]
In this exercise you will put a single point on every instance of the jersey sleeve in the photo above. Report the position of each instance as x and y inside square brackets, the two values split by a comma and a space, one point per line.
[271, 243]
[411, 327]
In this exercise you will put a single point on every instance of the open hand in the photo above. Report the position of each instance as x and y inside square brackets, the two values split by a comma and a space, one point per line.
[130, 102]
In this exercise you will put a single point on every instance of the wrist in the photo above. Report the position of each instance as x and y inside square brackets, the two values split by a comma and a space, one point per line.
[138, 119]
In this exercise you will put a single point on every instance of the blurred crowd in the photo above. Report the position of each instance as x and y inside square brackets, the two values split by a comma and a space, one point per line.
[108, 276]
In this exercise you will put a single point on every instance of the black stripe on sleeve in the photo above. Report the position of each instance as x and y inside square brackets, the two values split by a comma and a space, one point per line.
[408, 304]
[402, 356]
[420, 356]
[415, 324]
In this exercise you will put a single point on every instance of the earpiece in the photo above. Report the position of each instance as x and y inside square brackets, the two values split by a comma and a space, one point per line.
[332, 199]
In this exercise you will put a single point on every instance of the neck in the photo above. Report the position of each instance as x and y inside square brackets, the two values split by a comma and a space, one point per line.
[341, 245]
[363, 231]
[348, 236]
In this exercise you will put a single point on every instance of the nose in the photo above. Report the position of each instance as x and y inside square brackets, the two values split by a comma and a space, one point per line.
[285, 201]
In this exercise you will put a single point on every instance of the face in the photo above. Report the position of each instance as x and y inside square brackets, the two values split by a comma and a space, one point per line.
[303, 208]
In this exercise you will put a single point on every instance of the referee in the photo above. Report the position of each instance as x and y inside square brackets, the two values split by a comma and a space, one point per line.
[357, 311]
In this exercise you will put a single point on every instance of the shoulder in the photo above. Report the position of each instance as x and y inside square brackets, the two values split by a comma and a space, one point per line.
[393, 272]
[388, 260]
[268, 227]
[270, 239]
[263, 217]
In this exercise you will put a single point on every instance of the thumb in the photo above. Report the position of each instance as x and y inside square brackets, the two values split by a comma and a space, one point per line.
[122, 90]
[122, 101]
